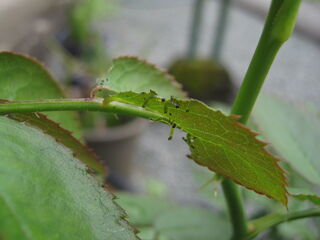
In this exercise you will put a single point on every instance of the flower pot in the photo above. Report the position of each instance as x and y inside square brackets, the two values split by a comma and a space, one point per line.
[116, 147]
[203, 79]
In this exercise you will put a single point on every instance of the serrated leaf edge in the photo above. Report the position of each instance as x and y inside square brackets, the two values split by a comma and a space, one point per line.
[124, 216]
[42, 65]
[234, 118]
[275, 163]
[88, 151]
[315, 195]
[47, 72]
[170, 79]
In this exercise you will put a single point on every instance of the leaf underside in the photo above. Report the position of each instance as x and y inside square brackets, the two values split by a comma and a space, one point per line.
[173, 221]
[46, 193]
[217, 141]
[294, 132]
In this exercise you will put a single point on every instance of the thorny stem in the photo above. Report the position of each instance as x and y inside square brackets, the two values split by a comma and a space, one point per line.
[277, 29]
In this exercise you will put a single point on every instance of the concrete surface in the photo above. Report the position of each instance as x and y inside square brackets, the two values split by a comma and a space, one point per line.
[308, 20]
[158, 31]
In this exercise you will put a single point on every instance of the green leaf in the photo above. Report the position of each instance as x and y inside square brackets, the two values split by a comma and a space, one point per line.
[294, 132]
[46, 193]
[143, 209]
[304, 194]
[302, 229]
[216, 141]
[159, 217]
[133, 74]
[64, 137]
[189, 223]
[147, 233]
[23, 78]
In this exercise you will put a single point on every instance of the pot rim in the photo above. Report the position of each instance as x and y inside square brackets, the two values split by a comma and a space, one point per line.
[124, 131]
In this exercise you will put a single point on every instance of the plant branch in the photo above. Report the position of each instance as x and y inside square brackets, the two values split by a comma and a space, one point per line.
[83, 104]
[277, 29]
[272, 220]
[235, 207]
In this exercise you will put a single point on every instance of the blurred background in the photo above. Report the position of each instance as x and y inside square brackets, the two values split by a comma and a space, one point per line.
[211, 41]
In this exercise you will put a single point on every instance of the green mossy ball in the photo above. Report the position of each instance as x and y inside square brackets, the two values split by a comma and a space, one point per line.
[205, 80]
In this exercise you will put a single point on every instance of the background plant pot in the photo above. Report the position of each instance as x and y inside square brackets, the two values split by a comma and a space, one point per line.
[203, 79]
[116, 147]
[26, 24]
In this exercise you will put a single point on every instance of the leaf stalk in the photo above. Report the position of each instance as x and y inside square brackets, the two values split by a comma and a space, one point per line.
[275, 219]
[81, 104]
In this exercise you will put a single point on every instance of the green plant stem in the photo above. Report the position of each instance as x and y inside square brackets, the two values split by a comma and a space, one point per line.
[197, 11]
[277, 30]
[272, 220]
[235, 207]
[220, 31]
[82, 104]
[278, 27]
